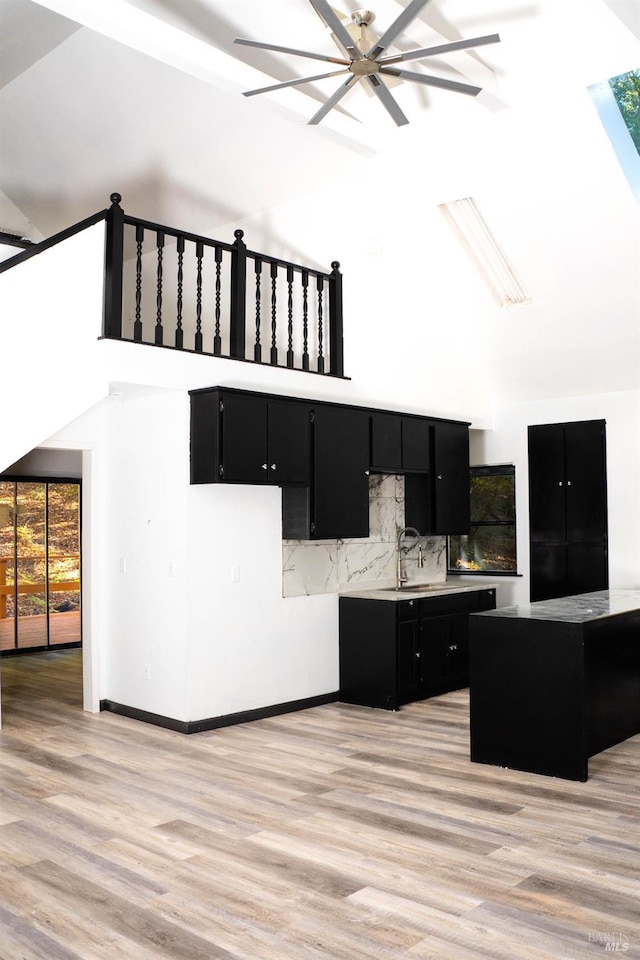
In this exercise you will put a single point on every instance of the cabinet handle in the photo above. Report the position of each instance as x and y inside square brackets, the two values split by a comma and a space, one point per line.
[273, 466]
[264, 466]
[568, 483]
[439, 477]
[418, 655]
[454, 646]
[559, 483]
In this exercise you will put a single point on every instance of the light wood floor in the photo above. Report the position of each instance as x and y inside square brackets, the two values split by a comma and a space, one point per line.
[337, 832]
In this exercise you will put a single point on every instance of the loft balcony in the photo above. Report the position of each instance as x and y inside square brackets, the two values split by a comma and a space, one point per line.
[168, 288]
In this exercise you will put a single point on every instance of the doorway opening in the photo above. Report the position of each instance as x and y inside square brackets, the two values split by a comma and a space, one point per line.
[40, 564]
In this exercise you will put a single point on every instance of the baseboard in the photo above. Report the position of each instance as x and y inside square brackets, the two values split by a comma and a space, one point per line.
[213, 723]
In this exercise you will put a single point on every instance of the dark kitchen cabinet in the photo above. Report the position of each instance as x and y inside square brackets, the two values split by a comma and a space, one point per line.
[399, 444]
[336, 504]
[248, 438]
[321, 454]
[438, 504]
[451, 478]
[567, 508]
[398, 652]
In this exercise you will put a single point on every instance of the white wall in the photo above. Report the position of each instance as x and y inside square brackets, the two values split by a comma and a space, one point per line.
[165, 555]
[50, 321]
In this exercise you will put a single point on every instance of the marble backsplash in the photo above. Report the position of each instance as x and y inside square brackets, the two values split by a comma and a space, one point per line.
[329, 566]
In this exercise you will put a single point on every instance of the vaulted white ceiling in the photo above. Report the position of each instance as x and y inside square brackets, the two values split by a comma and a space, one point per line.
[145, 97]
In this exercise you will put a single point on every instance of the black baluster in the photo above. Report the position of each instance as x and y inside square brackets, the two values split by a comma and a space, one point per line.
[199, 253]
[305, 320]
[137, 326]
[290, 315]
[217, 341]
[158, 331]
[113, 270]
[274, 278]
[238, 304]
[257, 349]
[320, 330]
[179, 331]
[336, 348]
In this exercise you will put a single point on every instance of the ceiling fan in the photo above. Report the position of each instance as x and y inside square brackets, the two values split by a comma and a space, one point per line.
[367, 60]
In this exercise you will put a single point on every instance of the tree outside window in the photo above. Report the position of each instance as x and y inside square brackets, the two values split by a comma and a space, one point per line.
[490, 546]
[626, 90]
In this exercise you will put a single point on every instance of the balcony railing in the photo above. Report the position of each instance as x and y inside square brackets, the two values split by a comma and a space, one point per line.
[187, 292]
[169, 288]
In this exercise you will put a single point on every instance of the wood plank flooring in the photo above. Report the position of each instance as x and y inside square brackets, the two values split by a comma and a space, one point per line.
[337, 832]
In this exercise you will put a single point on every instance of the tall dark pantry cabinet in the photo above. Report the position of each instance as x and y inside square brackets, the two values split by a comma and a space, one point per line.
[568, 508]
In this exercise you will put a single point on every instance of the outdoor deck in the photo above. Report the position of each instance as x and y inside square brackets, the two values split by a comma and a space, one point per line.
[32, 631]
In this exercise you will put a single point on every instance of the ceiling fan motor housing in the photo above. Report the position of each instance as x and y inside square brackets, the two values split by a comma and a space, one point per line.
[363, 18]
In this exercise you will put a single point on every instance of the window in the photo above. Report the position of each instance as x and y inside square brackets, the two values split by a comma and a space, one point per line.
[490, 546]
[618, 103]
[626, 90]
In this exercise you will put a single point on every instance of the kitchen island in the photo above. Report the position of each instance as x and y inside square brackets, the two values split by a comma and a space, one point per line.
[555, 682]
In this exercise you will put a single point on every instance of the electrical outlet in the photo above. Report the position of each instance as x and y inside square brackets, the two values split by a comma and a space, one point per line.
[147, 671]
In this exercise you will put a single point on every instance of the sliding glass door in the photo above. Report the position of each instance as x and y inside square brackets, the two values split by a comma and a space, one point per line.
[39, 564]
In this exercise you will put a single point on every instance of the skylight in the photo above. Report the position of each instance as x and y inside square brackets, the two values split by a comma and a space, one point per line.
[617, 101]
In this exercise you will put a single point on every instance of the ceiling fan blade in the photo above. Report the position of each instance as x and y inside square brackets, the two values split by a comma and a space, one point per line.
[429, 81]
[328, 15]
[387, 101]
[293, 83]
[291, 50]
[332, 101]
[441, 48]
[409, 13]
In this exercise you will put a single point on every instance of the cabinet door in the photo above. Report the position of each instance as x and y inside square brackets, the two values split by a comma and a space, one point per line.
[451, 482]
[205, 407]
[244, 439]
[587, 568]
[288, 442]
[341, 483]
[548, 571]
[458, 649]
[434, 651]
[409, 661]
[386, 442]
[547, 484]
[416, 454]
[585, 480]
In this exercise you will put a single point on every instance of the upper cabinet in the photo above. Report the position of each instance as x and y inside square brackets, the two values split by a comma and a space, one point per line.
[248, 438]
[321, 454]
[450, 478]
[399, 444]
[437, 503]
[340, 492]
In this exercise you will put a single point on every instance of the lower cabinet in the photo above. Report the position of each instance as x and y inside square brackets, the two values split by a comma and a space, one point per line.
[395, 652]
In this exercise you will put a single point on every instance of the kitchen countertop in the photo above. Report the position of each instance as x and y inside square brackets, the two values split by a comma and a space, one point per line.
[417, 592]
[576, 609]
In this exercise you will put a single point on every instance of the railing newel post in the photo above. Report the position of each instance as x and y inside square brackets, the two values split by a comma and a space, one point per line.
[238, 304]
[336, 344]
[113, 267]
